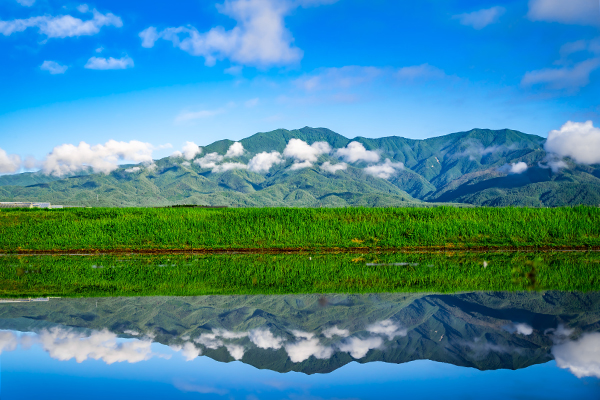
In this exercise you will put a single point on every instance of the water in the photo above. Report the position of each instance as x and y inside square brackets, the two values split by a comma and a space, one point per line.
[470, 345]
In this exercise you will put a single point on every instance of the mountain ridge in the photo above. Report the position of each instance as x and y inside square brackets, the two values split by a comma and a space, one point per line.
[470, 167]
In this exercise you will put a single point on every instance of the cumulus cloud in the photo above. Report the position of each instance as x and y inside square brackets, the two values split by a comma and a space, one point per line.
[580, 141]
[235, 150]
[335, 331]
[104, 158]
[514, 168]
[423, 71]
[186, 116]
[303, 153]
[209, 340]
[385, 170]
[520, 328]
[102, 63]
[64, 344]
[236, 351]
[570, 78]
[577, 12]
[333, 168]
[133, 170]
[53, 67]
[26, 3]
[303, 349]
[260, 37]
[482, 18]
[188, 351]
[356, 151]
[8, 341]
[262, 162]
[131, 332]
[358, 348]
[386, 328]
[229, 166]
[264, 339]
[209, 161]
[9, 163]
[189, 151]
[581, 357]
[61, 26]
[338, 78]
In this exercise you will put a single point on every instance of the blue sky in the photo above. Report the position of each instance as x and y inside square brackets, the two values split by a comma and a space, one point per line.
[202, 71]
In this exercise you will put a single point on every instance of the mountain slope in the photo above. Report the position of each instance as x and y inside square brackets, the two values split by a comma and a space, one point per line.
[464, 167]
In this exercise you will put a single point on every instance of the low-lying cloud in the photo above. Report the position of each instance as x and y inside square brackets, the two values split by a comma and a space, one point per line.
[355, 151]
[303, 349]
[189, 151]
[579, 141]
[262, 162]
[513, 168]
[387, 328]
[385, 170]
[581, 356]
[264, 339]
[333, 168]
[9, 163]
[305, 155]
[103, 158]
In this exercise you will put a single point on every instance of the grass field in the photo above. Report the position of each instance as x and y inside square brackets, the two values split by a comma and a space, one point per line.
[114, 229]
[185, 275]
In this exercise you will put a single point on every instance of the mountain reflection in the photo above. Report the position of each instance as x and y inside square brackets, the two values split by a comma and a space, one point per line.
[490, 330]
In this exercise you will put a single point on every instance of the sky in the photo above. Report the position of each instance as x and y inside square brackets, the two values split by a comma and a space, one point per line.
[202, 71]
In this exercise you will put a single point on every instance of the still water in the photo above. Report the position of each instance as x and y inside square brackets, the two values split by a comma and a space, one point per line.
[495, 345]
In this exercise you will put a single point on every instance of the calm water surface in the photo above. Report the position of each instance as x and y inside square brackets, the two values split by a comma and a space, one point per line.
[492, 344]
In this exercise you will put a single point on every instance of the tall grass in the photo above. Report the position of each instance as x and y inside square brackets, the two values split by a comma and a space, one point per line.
[280, 228]
[182, 275]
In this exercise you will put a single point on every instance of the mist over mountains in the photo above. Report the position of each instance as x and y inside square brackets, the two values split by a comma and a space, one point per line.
[316, 167]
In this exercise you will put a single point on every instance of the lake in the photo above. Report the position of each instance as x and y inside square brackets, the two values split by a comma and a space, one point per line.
[366, 346]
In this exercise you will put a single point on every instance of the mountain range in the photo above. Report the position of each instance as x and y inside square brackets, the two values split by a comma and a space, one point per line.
[480, 167]
[317, 334]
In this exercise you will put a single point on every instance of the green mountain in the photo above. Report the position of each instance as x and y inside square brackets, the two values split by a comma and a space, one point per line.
[478, 330]
[463, 167]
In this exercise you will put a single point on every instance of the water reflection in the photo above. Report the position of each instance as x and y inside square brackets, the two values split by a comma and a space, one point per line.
[303, 333]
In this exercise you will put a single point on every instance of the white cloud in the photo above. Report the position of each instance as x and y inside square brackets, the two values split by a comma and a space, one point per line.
[302, 334]
[520, 328]
[577, 12]
[259, 38]
[303, 349]
[335, 331]
[355, 151]
[8, 341]
[53, 67]
[26, 3]
[235, 150]
[358, 348]
[386, 328]
[109, 63]
[482, 18]
[333, 168]
[514, 168]
[303, 153]
[9, 163]
[131, 332]
[580, 141]
[64, 344]
[385, 170]
[209, 340]
[234, 70]
[83, 8]
[563, 78]
[209, 161]
[61, 26]
[264, 339]
[423, 71]
[228, 166]
[252, 102]
[104, 158]
[236, 351]
[186, 116]
[581, 357]
[188, 351]
[189, 151]
[193, 388]
[262, 162]
[132, 170]
[338, 78]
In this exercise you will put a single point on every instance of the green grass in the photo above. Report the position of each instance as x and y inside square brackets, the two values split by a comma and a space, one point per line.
[298, 228]
[185, 275]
